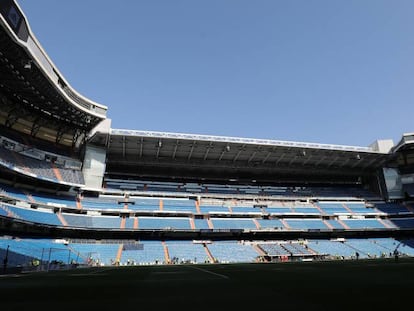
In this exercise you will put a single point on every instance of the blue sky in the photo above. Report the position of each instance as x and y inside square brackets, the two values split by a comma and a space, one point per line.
[331, 71]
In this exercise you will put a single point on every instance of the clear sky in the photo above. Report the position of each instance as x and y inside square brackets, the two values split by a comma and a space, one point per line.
[323, 71]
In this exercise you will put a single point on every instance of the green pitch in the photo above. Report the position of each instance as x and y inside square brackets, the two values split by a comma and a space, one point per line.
[330, 285]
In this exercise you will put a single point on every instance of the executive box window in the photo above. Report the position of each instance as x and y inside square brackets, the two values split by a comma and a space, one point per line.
[13, 17]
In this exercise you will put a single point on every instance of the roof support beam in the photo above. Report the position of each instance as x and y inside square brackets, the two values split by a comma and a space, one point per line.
[159, 145]
[370, 163]
[59, 134]
[344, 163]
[268, 155]
[357, 162]
[238, 153]
[281, 157]
[76, 137]
[210, 146]
[321, 160]
[36, 127]
[222, 154]
[175, 149]
[333, 161]
[292, 160]
[307, 160]
[11, 119]
[191, 150]
[123, 146]
[252, 156]
[141, 149]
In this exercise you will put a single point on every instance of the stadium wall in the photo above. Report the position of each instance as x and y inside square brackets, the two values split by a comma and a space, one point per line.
[94, 167]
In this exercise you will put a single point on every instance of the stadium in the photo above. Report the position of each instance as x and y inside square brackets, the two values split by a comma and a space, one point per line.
[76, 192]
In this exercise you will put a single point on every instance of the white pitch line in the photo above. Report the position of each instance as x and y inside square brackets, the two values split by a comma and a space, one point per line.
[207, 271]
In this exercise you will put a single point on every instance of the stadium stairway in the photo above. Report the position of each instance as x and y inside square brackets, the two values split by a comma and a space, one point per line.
[123, 221]
[119, 253]
[9, 212]
[166, 252]
[347, 208]
[61, 219]
[285, 224]
[342, 224]
[385, 223]
[259, 250]
[256, 223]
[313, 252]
[56, 172]
[78, 203]
[361, 252]
[21, 163]
[321, 211]
[210, 256]
[210, 223]
[197, 206]
[192, 224]
[327, 224]
[29, 197]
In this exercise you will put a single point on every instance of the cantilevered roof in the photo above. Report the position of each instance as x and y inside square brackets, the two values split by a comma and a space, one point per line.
[148, 153]
[406, 143]
[228, 139]
[32, 88]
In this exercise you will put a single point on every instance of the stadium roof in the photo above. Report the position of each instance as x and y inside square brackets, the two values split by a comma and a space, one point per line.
[406, 142]
[146, 153]
[32, 88]
[34, 95]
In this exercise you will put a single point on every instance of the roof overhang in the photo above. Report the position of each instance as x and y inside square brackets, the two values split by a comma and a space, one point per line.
[32, 83]
[141, 153]
[406, 143]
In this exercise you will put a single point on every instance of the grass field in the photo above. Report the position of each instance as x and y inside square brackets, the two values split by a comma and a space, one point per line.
[375, 284]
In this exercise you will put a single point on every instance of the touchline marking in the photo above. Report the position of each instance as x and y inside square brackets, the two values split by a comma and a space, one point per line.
[207, 271]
